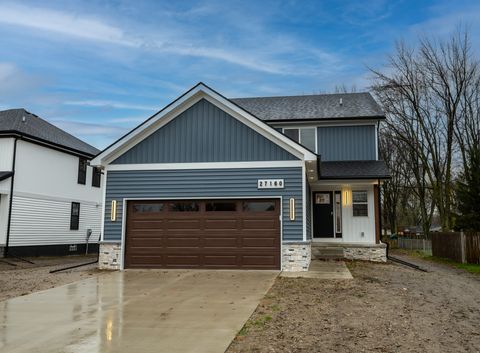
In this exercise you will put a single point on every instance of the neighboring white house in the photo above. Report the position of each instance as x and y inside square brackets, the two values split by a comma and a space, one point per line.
[56, 194]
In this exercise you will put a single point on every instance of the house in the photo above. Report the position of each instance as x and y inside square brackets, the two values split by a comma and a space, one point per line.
[49, 196]
[251, 183]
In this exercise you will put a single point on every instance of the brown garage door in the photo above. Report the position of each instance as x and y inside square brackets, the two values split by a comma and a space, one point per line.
[219, 234]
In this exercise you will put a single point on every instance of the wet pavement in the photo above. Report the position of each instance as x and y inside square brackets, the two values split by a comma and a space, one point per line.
[135, 311]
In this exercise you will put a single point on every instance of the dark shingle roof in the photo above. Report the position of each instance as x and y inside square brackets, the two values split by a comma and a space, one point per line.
[5, 175]
[310, 107]
[353, 170]
[11, 121]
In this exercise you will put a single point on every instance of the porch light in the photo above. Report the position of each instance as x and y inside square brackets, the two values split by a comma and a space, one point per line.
[292, 209]
[347, 197]
[113, 211]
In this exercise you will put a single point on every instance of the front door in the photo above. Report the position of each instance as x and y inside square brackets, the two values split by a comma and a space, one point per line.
[323, 214]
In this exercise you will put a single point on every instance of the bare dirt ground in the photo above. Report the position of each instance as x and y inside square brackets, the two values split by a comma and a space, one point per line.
[27, 278]
[385, 308]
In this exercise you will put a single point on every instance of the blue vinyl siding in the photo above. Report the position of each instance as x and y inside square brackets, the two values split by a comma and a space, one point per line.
[346, 143]
[234, 183]
[204, 133]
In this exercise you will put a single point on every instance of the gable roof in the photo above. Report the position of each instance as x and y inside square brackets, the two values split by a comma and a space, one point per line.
[313, 107]
[193, 95]
[23, 123]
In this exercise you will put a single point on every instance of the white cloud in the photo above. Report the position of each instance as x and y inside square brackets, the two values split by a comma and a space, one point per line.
[174, 39]
[79, 128]
[110, 104]
[62, 23]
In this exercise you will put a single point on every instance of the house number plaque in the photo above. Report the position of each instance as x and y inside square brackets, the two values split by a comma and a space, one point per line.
[270, 183]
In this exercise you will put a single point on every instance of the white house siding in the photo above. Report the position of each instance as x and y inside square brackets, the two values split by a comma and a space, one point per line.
[6, 153]
[44, 188]
[42, 221]
[352, 227]
[3, 218]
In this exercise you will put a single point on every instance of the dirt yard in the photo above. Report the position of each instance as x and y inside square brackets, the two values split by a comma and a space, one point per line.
[385, 308]
[25, 278]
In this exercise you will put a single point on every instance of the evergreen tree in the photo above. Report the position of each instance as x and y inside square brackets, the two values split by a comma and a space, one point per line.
[468, 193]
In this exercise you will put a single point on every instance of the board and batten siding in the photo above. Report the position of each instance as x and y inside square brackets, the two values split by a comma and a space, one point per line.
[347, 143]
[203, 183]
[42, 221]
[204, 133]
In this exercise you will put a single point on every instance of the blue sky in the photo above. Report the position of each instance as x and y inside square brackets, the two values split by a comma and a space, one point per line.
[99, 68]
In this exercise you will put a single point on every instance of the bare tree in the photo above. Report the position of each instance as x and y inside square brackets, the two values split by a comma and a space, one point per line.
[430, 95]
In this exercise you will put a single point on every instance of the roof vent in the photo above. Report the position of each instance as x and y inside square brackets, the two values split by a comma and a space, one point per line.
[24, 120]
[341, 101]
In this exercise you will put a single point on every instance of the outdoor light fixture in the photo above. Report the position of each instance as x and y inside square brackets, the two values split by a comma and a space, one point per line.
[292, 209]
[347, 197]
[113, 211]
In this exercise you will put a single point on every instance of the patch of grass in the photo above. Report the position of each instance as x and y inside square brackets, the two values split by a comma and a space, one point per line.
[257, 324]
[472, 268]
[275, 307]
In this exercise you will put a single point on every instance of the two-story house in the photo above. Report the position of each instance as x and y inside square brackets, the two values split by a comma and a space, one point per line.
[250, 183]
[49, 195]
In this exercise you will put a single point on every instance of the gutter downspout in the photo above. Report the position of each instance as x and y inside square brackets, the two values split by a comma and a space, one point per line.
[10, 201]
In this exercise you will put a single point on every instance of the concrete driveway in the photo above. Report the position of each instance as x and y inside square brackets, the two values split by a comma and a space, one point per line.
[135, 311]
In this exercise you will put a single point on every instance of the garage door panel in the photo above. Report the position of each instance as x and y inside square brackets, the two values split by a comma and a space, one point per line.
[183, 223]
[259, 224]
[209, 237]
[219, 242]
[221, 224]
[259, 242]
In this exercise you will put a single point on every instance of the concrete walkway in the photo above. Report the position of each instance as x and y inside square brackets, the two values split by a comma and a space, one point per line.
[135, 311]
[323, 270]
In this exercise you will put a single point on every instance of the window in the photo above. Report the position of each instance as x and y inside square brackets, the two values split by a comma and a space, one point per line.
[82, 170]
[148, 207]
[96, 177]
[184, 207]
[221, 206]
[359, 203]
[304, 136]
[74, 216]
[292, 133]
[259, 206]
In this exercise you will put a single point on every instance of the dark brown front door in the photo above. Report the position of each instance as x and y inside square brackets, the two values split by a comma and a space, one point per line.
[222, 234]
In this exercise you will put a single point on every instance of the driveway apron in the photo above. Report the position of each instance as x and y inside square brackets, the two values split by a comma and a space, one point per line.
[135, 311]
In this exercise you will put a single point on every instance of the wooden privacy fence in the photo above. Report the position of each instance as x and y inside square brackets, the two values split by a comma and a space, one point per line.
[461, 247]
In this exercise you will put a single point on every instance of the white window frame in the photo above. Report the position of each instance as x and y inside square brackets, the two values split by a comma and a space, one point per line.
[300, 135]
[359, 203]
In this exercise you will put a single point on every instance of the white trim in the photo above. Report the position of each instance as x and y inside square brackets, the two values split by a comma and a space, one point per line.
[376, 142]
[319, 123]
[219, 165]
[124, 213]
[304, 203]
[104, 199]
[183, 103]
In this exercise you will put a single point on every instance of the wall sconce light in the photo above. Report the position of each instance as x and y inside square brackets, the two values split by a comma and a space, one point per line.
[347, 197]
[292, 209]
[113, 211]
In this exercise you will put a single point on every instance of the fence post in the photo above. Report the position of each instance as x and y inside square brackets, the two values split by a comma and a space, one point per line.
[462, 246]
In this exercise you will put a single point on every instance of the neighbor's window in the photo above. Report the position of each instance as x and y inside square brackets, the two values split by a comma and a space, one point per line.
[360, 203]
[96, 177]
[258, 206]
[184, 207]
[82, 170]
[304, 136]
[74, 216]
[221, 206]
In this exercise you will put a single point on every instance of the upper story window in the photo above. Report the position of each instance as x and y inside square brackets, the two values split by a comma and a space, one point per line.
[305, 136]
[96, 177]
[82, 171]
